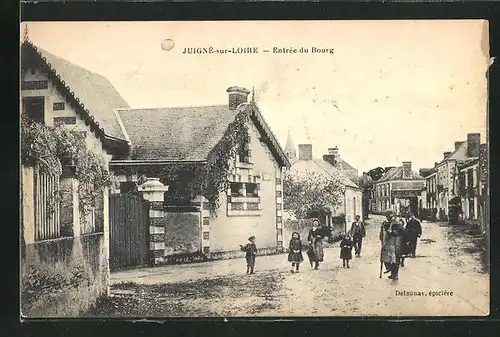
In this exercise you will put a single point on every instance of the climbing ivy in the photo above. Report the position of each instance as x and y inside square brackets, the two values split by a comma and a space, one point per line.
[50, 147]
[189, 180]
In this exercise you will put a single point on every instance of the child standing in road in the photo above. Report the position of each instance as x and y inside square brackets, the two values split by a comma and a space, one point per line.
[346, 250]
[250, 253]
[295, 253]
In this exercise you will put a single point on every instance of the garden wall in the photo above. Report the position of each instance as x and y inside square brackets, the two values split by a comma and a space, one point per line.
[63, 277]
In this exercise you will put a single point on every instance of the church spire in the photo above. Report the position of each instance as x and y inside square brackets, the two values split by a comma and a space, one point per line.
[290, 149]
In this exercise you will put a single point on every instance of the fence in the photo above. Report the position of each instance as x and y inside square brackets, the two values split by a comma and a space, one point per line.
[46, 205]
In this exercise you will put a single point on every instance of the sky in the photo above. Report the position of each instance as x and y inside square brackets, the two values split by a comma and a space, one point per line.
[392, 91]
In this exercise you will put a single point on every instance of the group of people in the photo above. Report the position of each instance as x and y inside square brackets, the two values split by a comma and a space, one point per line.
[398, 240]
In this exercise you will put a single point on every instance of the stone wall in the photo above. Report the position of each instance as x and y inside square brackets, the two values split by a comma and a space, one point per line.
[63, 277]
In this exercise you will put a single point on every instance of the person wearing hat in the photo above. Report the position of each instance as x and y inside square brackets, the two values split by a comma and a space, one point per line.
[357, 233]
[391, 236]
[250, 253]
[414, 230]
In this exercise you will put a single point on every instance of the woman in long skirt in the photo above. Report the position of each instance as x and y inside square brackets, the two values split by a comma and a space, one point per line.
[315, 239]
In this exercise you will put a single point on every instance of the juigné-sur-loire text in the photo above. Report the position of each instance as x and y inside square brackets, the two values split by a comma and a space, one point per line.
[256, 50]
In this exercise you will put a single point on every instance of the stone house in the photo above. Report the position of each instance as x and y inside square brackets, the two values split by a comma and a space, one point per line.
[446, 173]
[398, 189]
[188, 138]
[351, 203]
[67, 246]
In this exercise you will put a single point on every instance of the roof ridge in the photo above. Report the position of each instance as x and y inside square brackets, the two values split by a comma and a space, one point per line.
[175, 107]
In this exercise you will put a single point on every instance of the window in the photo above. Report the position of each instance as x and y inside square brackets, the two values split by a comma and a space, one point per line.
[34, 85]
[34, 108]
[57, 106]
[235, 189]
[252, 190]
[64, 120]
[244, 154]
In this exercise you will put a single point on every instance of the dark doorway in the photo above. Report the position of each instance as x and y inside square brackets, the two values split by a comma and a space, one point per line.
[34, 108]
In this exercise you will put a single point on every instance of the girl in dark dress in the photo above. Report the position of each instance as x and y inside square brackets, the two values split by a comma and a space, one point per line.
[346, 250]
[250, 253]
[295, 253]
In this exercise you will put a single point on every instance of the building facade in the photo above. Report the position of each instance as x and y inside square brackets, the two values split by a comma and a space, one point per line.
[351, 203]
[190, 136]
[59, 239]
[399, 189]
[449, 178]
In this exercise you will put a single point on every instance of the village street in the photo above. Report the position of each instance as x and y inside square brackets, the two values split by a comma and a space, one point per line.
[448, 261]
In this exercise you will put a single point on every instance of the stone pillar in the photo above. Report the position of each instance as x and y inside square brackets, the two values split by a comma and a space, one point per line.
[105, 227]
[28, 205]
[70, 206]
[279, 209]
[153, 191]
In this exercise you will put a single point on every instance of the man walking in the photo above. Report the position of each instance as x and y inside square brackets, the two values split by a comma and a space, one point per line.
[391, 235]
[414, 231]
[357, 233]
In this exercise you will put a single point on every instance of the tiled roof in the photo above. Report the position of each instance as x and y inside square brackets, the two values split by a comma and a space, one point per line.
[343, 165]
[94, 92]
[460, 154]
[320, 166]
[396, 173]
[94, 96]
[183, 133]
[187, 133]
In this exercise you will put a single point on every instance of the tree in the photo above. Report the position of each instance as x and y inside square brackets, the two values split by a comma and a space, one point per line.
[311, 194]
[376, 173]
[366, 183]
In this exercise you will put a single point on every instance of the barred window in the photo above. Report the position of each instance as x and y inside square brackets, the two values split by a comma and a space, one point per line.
[64, 120]
[34, 85]
[58, 106]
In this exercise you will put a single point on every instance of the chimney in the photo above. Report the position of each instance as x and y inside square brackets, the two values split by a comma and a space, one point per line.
[473, 142]
[457, 145]
[237, 96]
[446, 154]
[331, 157]
[305, 151]
[407, 170]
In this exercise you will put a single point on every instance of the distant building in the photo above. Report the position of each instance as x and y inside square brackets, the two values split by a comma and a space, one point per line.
[459, 181]
[398, 189]
[351, 204]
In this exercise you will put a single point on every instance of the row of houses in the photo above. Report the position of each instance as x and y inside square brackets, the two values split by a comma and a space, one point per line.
[455, 189]
[457, 186]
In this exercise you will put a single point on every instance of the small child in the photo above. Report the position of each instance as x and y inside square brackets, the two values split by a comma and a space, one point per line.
[295, 253]
[250, 252]
[346, 250]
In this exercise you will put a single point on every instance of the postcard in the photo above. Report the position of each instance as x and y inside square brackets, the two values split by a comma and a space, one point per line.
[254, 168]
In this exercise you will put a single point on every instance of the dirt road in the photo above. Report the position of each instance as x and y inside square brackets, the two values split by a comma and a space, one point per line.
[446, 278]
